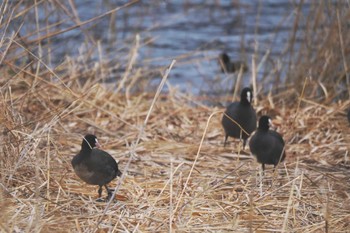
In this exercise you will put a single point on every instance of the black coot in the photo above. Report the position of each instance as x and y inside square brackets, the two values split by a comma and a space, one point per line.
[244, 114]
[95, 166]
[267, 145]
[348, 115]
[229, 66]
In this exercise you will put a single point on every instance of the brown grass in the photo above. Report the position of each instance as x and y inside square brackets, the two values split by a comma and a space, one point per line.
[176, 181]
[178, 177]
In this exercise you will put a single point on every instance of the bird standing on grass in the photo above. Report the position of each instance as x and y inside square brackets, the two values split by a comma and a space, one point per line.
[244, 116]
[228, 66]
[267, 145]
[95, 166]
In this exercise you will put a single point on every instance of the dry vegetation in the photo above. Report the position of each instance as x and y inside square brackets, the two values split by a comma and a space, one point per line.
[177, 174]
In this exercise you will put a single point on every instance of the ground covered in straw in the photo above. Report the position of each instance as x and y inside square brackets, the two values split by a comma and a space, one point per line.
[180, 177]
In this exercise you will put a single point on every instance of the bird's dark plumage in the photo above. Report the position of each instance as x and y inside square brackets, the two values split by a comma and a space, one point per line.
[244, 114]
[229, 66]
[267, 145]
[348, 115]
[95, 166]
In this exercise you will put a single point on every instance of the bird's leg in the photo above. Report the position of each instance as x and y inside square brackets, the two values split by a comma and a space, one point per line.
[108, 189]
[99, 194]
[99, 191]
[226, 136]
[263, 168]
[109, 192]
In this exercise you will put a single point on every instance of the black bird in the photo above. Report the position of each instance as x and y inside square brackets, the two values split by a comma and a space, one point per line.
[267, 145]
[228, 66]
[244, 114]
[95, 166]
[348, 115]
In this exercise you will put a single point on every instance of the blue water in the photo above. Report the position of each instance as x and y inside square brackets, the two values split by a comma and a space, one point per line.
[192, 32]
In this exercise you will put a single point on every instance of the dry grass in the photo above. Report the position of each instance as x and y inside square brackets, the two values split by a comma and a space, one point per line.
[173, 183]
[178, 177]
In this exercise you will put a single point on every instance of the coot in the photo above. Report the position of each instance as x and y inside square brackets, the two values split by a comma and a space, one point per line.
[348, 115]
[95, 166]
[244, 114]
[267, 145]
[229, 66]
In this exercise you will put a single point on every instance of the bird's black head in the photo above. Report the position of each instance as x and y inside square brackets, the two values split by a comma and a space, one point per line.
[225, 58]
[264, 123]
[246, 95]
[89, 142]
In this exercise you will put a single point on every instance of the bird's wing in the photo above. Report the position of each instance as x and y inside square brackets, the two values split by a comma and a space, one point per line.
[277, 136]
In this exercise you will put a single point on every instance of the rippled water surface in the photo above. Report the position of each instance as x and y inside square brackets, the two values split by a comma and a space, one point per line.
[193, 32]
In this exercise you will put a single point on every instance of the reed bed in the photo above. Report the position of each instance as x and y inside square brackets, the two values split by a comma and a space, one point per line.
[180, 178]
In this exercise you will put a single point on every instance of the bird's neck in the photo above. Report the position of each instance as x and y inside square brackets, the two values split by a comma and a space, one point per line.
[245, 103]
[263, 129]
[85, 151]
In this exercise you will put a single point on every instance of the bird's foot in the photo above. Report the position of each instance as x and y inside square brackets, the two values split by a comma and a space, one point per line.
[110, 194]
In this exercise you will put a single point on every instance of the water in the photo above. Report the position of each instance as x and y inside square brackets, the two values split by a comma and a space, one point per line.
[192, 32]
